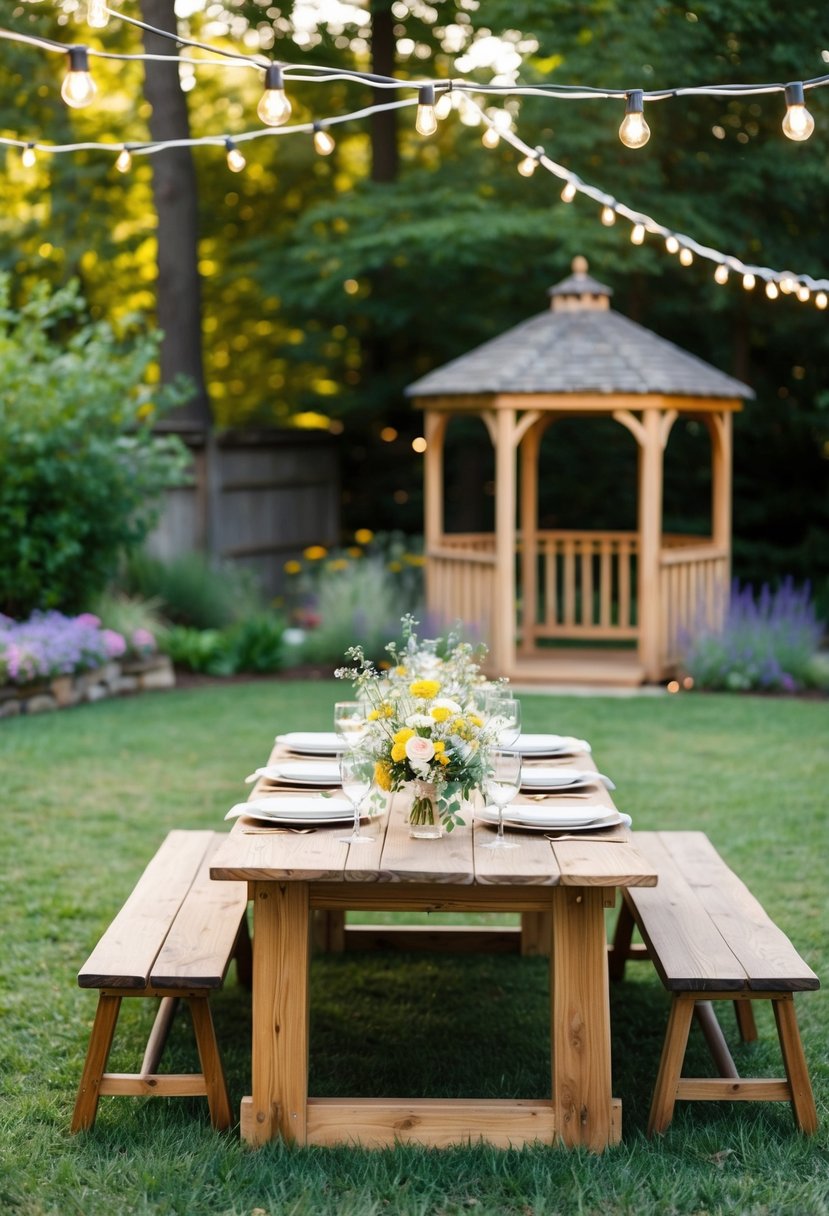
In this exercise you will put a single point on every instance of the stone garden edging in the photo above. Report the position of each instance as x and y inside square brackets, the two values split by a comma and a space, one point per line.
[114, 679]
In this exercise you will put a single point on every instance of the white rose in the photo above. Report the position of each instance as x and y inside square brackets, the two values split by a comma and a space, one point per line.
[419, 751]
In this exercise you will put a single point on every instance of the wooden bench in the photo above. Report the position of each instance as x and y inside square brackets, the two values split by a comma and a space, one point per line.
[710, 940]
[173, 939]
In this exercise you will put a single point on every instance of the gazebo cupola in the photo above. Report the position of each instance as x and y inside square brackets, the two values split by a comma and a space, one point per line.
[641, 589]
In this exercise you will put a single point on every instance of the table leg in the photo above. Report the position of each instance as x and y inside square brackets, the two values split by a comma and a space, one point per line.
[279, 1061]
[580, 1019]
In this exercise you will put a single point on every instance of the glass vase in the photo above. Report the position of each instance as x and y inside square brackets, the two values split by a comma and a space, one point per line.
[424, 816]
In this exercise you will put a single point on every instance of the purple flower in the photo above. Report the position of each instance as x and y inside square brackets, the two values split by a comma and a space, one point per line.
[143, 642]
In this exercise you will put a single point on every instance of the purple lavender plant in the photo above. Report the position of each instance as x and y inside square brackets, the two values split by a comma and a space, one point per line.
[767, 641]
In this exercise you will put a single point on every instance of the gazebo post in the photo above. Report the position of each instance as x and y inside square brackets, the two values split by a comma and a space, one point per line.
[503, 620]
[529, 450]
[433, 522]
[649, 609]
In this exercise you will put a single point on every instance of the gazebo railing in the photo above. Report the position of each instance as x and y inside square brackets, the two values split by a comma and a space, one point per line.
[585, 587]
[693, 593]
[460, 580]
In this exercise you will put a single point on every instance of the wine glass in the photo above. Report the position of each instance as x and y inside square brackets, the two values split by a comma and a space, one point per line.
[501, 785]
[506, 720]
[350, 722]
[356, 776]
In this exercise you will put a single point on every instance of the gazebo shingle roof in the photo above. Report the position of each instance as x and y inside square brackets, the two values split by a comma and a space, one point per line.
[579, 350]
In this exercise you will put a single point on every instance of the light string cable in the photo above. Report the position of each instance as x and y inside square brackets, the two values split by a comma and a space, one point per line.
[785, 281]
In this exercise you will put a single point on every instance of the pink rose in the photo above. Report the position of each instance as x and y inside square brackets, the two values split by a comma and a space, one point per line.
[419, 750]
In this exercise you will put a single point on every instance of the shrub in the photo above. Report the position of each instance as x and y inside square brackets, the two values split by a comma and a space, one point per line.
[768, 642]
[192, 591]
[251, 645]
[82, 470]
[138, 621]
[50, 644]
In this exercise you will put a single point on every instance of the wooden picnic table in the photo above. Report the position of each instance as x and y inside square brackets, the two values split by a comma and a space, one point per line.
[564, 883]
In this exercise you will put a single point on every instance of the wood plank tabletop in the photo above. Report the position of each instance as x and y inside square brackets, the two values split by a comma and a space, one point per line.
[253, 851]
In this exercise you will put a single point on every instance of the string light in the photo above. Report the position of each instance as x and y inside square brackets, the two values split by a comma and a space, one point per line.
[788, 284]
[803, 293]
[274, 108]
[528, 165]
[123, 161]
[608, 216]
[771, 290]
[28, 157]
[637, 234]
[748, 281]
[490, 138]
[821, 300]
[568, 193]
[443, 105]
[685, 256]
[426, 123]
[672, 244]
[235, 160]
[97, 14]
[721, 274]
[798, 123]
[634, 131]
[78, 88]
[323, 140]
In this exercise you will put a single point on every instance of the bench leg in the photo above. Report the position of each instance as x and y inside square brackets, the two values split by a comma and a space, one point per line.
[100, 1044]
[158, 1035]
[670, 1065]
[714, 1037]
[791, 1046]
[211, 1062]
[744, 1011]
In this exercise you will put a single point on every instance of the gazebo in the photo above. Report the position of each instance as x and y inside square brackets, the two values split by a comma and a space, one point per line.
[620, 600]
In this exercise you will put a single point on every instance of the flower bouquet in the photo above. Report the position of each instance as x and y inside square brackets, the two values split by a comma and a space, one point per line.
[424, 730]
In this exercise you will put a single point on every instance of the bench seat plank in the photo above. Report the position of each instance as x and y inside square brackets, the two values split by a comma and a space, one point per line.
[198, 948]
[125, 955]
[768, 958]
[686, 948]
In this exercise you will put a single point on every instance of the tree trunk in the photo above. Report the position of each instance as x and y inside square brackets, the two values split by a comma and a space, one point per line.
[384, 155]
[178, 289]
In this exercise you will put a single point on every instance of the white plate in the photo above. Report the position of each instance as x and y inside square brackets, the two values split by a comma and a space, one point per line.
[312, 742]
[550, 745]
[302, 772]
[540, 777]
[540, 822]
[296, 811]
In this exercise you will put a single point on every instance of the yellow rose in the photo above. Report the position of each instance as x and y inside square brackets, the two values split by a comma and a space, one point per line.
[424, 690]
[398, 752]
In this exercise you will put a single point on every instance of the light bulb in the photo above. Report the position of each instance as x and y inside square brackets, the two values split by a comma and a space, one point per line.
[323, 140]
[748, 281]
[721, 274]
[685, 256]
[798, 123]
[608, 217]
[97, 15]
[274, 108]
[821, 300]
[443, 105]
[634, 131]
[490, 138]
[124, 161]
[28, 157]
[637, 234]
[788, 284]
[803, 293]
[235, 161]
[527, 166]
[568, 193]
[78, 88]
[771, 290]
[426, 123]
[672, 244]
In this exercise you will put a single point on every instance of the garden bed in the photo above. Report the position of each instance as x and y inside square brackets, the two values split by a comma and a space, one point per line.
[113, 679]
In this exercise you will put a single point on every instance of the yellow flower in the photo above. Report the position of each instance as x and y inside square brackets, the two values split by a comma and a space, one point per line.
[400, 671]
[338, 563]
[364, 536]
[440, 746]
[354, 551]
[405, 733]
[442, 758]
[398, 751]
[314, 552]
[440, 713]
[292, 567]
[387, 710]
[373, 715]
[424, 690]
[382, 775]
[414, 559]
[475, 720]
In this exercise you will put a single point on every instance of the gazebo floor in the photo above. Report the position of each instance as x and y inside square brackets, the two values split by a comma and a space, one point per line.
[587, 665]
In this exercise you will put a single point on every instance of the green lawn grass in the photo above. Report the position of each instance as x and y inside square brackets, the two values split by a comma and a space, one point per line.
[89, 794]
